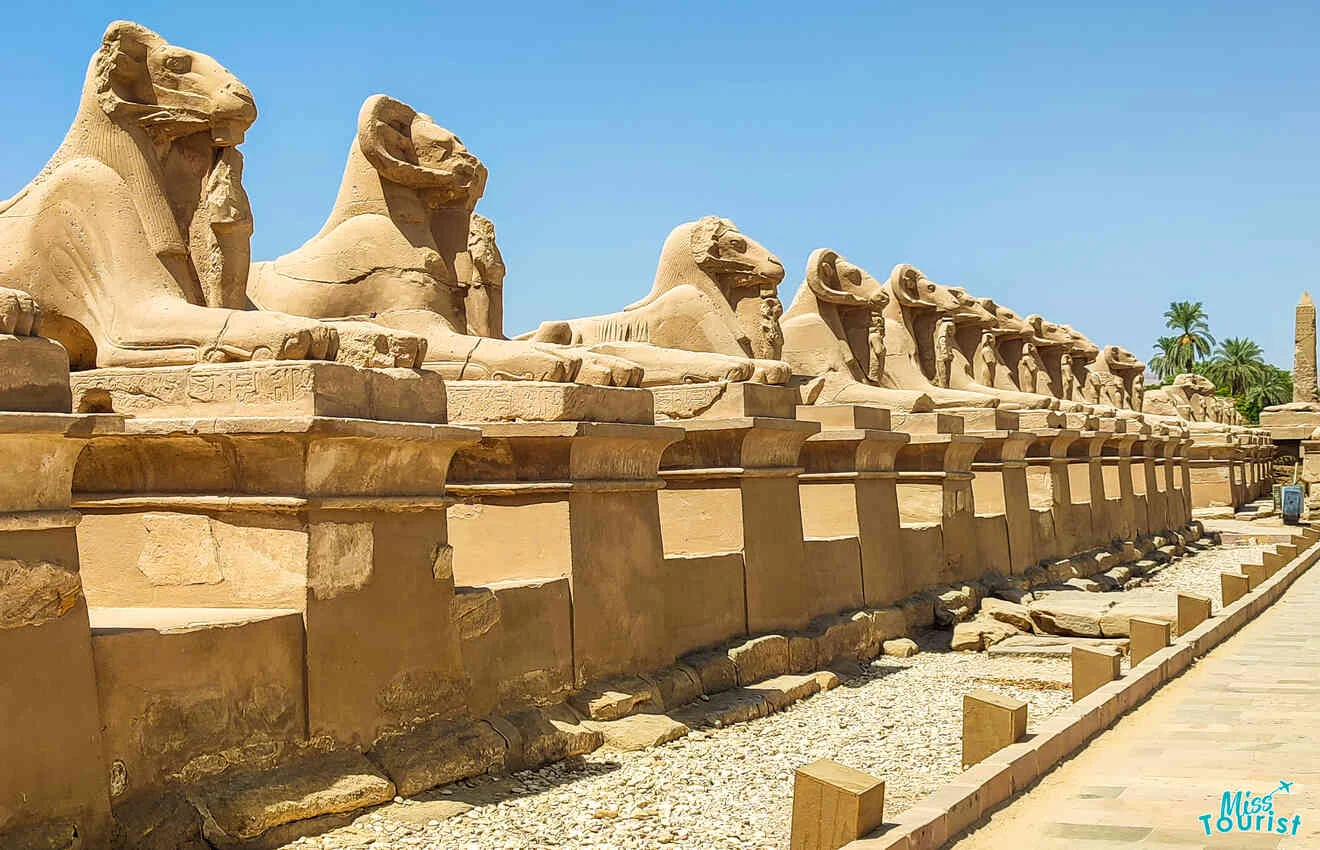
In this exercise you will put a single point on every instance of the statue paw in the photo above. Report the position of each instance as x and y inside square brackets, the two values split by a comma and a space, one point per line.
[608, 371]
[20, 314]
[771, 372]
[374, 346]
[257, 335]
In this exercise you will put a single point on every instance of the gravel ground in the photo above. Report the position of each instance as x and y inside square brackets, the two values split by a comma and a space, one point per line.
[1199, 574]
[732, 788]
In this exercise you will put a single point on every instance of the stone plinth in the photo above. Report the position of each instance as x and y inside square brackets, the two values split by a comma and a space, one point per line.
[266, 388]
[731, 485]
[534, 401]
[1116, 469]
[999, 489]
[54, 779]
[1192, 612]
[1215, 469]
[544, 500]
[848, 489]
[1092, 668]
[723, 400]
[1147, 636]
[833, 805]
[34, 375]
[339, 518]
[1049, 487]
[1286, 422]
[937, 507]
[991, 722]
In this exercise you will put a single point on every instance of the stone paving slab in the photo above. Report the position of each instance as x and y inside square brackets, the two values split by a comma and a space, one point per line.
[1243, 718]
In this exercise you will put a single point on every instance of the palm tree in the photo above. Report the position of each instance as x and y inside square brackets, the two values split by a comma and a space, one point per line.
[1192, 326]
[1237, 364]
[1275, 386]
[1170, 359]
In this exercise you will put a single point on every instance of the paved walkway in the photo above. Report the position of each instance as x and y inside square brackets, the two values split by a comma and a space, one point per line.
[1246, 717]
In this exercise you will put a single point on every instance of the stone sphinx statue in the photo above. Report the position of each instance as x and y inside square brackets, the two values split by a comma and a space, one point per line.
[1188, 397]
[403, 248]
[914, 307]
[1110, 379]
[971, 319]
[712, 313]
[134, 236]
[835, 337]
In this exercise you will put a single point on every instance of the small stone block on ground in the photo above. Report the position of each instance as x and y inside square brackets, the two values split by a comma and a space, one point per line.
[833, 805]
[1148, 636]
[245, 805]
[991, 722]
[1192, 612]
[901, 648]
[1234, 586]
[1093, 668]
[610, 699]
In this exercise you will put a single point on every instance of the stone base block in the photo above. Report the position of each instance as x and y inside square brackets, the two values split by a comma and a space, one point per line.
[1192, 611]
[267, 388]
[245, 805]
[724, 400]
[845, 417]
[1148, 636]
[834, 804]
[990, 722]
[1234, 586]
[34, 376]
[1092, 668]
[537, 401]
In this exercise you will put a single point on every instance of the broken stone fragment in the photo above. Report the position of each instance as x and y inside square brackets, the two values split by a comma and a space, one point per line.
[639, 732]
[980, 632]
[760, 658]
[439, 752]
[1015, 615]
[542, 736]
[901, 648]
[244, 805]
[610, 699]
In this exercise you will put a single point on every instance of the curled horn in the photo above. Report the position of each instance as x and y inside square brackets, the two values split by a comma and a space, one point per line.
[821, 273]
[382, 142]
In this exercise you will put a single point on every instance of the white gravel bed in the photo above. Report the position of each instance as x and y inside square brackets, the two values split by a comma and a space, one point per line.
[733, 787]
[1199, 573]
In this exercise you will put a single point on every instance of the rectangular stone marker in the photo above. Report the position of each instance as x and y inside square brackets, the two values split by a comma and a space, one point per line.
[991, 722]
[1192, 612]
[833, 805]
[1256, 574]
[1093, 668]
[1235, 586]
[1147, 637]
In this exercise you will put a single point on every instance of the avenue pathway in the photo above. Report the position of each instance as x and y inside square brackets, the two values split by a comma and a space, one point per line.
[1245, 718]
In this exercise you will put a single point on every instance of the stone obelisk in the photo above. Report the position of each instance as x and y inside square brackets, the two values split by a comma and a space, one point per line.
[1304, 386]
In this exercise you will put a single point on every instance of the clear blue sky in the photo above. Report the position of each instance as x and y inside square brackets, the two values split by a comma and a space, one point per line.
[1089, 164]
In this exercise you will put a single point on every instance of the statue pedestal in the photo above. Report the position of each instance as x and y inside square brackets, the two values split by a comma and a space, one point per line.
[1049, 489]
[937, 508]
[563, 485]
[53, 784]
[1216, 471]
[264, 388]
[1003, 508]
[849, 491]
[731, 486]
[340, 519]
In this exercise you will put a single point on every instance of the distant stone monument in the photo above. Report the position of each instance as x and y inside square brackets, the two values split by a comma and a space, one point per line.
[1304, 377]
